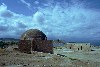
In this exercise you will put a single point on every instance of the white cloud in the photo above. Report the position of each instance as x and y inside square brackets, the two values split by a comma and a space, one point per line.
[36, 2]
[4, 12]
[69, 21]
[56, 21]
[3, 7]
[14, 24]
[27, 4]
[38, 17]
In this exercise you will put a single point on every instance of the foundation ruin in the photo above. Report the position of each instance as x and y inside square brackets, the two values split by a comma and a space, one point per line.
[78, 46]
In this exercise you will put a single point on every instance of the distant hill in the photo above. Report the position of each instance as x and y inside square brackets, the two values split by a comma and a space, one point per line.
[10, 39]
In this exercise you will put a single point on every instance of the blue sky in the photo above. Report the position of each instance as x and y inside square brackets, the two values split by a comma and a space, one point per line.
[72, 20]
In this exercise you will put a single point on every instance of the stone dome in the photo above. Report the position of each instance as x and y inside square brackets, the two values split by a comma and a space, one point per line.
[33, 33]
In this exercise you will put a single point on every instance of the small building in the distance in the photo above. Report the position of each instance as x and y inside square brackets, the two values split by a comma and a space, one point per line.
[78, 46]
[35, 40]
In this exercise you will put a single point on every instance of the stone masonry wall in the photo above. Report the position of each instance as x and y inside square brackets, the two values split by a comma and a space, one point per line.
[78, 46]
[45, 46]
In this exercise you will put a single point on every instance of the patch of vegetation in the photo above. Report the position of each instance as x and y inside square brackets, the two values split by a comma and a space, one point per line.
[6, 44]
[3, 44]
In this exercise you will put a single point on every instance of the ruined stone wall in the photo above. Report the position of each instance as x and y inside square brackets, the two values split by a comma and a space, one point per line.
[45, 46]
[79, 46]
[24, 46]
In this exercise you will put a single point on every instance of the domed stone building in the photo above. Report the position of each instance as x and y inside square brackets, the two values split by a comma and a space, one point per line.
[33, 33]
[35, 40]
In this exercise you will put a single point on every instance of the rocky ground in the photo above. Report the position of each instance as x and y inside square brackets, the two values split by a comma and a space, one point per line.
[13, 58]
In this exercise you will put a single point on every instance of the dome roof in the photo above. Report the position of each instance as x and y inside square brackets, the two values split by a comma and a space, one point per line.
[33, 33]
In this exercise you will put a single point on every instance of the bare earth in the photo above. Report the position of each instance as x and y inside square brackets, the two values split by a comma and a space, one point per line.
[12, 58]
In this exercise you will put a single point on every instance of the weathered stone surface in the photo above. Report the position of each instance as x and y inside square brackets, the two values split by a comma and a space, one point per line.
[33, 33]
